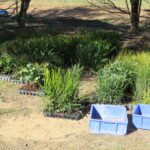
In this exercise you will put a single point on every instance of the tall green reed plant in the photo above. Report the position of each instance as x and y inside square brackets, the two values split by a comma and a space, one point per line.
[142, 91]
[142, 67]
[61, 88]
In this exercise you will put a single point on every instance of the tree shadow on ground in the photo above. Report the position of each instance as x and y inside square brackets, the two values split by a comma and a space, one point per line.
[53, 22]
[71, 20]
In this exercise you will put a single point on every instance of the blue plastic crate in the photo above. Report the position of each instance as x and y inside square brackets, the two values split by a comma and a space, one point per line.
[108, 119]
[141, 116]
[3, 12]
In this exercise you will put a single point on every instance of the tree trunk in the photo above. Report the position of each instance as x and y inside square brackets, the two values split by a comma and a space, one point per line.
[23, 12]
[135, 14]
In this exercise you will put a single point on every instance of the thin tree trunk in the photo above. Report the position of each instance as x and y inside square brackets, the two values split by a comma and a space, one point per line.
[23, 12]
[135, 15]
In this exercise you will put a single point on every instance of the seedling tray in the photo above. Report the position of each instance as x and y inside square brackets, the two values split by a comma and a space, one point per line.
[5, 78]
[75, 116]
[108, 119]
[141, 116]
[37, 93]
[9, 79]
[17, 82]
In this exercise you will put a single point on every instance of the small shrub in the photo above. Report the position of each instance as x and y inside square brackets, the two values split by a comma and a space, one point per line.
[110, 36]
[114, 80]
[7, 63]
[32, 73]
[61, 89]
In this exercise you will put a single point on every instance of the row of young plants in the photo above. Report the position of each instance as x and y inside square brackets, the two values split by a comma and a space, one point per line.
[59, 50]
[127, 76]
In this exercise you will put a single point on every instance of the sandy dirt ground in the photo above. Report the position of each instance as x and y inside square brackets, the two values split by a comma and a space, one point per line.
[23, 126]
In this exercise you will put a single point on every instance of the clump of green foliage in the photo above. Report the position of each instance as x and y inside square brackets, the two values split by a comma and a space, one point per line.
[61, 89]
[112, 37]
[7, 63]
[32, 73]
[93, 54]
[59, 50]
[114, 80]
[129, 74]
[142, 67]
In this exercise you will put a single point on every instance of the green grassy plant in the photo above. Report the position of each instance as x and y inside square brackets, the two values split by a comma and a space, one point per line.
[142, 67]
[93, 54]
[61, 89]
[114, 80]
[32, 73]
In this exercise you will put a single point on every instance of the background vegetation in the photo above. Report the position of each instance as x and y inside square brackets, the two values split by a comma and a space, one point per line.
[59, 50]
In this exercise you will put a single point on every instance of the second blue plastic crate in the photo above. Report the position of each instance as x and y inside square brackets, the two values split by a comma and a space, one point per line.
[141, 116]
